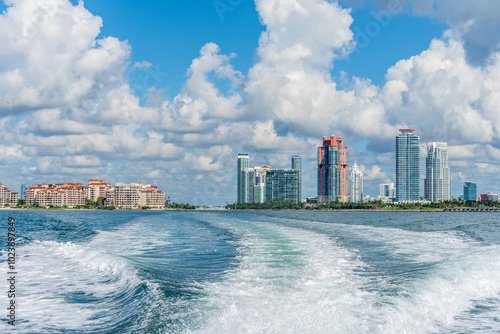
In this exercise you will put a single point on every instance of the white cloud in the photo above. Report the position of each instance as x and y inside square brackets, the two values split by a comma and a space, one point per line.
[12, 154]
[462, 151]
[202, 162]
[441, 95]
[487, 169]
[70, 110]
[493, 152]
[81, 161]
[154, 174]
[51, 57]
[374, 173]
[477, 21]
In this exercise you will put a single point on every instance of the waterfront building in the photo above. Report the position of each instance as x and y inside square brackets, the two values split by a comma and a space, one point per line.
[50, 197]
[356, 184]
[283, 185]
[135, 195]
[407, 166]
[242, 187]
[297, 164]
[152, 197]
[69, 194]
[492, 197]
[96, 189]
[256, 184]
[332, 170]
[260, 184]
[23, 190]
[387, 191]
[75, 193]
[470, 191]
[437, 173]
[7, 196]
[59, 194]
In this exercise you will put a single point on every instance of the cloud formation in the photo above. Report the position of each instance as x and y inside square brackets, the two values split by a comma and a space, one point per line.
[68, 110]
[477, 22]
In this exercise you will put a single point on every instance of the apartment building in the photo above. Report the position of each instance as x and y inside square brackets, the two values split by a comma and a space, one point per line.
[69, 194]
[262, 184]
[332, 170]
[135, 195]
[59, 194]
[96, 189]
[152, 197]
[7, 196]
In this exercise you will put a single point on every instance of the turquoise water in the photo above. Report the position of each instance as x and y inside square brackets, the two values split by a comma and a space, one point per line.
[254, 272]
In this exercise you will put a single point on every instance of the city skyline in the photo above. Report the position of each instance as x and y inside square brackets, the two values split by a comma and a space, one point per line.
[435, 185]
[169, 92]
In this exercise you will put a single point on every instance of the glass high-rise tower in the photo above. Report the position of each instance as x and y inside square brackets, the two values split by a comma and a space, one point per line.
[260, 184]
[470, 191]
[296, 162]
[437, 173]
[297, 165]
[283, 185]
[356, 184]
[23, 190]
[332, 170]
[242, 195]
[407, 166]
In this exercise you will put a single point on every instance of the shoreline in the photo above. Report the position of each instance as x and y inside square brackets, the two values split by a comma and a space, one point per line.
[452, 210]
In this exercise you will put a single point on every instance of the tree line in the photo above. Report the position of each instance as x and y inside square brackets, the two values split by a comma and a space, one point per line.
[372, 205]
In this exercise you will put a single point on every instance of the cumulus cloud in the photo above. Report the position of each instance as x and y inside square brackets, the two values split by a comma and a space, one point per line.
[374, 173]
[477, 22]
[68, 109]
[51, 58]
[443, 96]
[12, 154]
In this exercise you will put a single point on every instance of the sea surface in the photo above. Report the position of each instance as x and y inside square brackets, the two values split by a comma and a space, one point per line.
[253, 272]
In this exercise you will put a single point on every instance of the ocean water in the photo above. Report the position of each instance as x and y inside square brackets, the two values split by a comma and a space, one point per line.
[253, 272]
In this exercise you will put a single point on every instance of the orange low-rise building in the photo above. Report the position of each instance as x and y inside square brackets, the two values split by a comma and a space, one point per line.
[69, 194]
[7, 196]
[59, 194]
[135, 195]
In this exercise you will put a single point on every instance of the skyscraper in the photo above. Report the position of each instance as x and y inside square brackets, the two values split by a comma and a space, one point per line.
[23, 190]
[260, 184]
[356, 184]
[242, 195]
[470, 191]
[437, 173]
[283, 185]
[332, 170]
[407, 166]
[256, 184]
[297, 164]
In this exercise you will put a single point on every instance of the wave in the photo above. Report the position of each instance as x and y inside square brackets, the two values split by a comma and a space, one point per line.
[88, 287]
[312, 279]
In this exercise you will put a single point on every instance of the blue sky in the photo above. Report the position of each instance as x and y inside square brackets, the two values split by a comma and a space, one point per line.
[169, 34]
[169, 92]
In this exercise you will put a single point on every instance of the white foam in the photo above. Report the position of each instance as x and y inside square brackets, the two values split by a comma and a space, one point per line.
[296, 281]
[288, 281]
[52, 276]
[450, 290]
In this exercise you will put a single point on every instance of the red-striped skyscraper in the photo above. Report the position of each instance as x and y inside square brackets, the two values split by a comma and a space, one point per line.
[332, 170]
